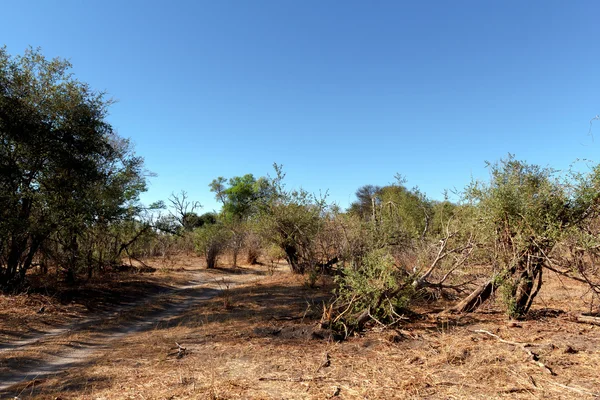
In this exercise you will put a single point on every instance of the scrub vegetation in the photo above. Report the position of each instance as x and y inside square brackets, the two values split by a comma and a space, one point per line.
[397, 296]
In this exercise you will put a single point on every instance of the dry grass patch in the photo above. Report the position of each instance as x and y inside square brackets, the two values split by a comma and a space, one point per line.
[261, 347]
[50, 303]
[256, 341]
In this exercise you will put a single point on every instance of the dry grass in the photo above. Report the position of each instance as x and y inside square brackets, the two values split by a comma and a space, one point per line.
[255, 341]
[64, 304]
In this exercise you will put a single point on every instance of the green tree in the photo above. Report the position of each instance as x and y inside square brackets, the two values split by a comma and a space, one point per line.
[400, 213]
[208, 218]
[62, 167]
[291, 220]
[241, 197]
[521, 215]
[404, 213]
[367, 199]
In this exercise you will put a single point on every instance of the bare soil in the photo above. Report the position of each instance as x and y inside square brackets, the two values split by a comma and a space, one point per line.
[257, 340]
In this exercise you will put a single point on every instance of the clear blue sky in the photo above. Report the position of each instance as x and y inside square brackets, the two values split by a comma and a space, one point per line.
[343, 93]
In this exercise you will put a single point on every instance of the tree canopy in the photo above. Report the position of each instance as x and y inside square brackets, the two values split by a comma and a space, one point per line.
[241, 196]
[62, 166]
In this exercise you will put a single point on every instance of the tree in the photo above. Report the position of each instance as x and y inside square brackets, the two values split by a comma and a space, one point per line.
[218, 187]
[521, 215]
[404, 213]
[242, 196]
[184, 211]
[62, 167]
[291, 220]
[208, 218]
[367, 198]
[396, 211]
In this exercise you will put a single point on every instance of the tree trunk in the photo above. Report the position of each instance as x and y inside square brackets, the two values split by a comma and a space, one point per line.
[292, 257]
[26, 264]
[211, 258]
[44, 266]
[475, 299]
[252, 257]
[17, 247]
[526, 281]
[235, 257]
[70, 277]
[522, 292]
[90, 264]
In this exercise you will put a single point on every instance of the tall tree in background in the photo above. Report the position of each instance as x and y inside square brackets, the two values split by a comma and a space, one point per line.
[367, 198]
[241, 197]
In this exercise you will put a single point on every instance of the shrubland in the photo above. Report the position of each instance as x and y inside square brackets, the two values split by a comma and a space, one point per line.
[69, 201]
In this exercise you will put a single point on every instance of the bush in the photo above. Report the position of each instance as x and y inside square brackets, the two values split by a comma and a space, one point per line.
[291, 220]
[376, 289]
[211, 241]
[253, 246]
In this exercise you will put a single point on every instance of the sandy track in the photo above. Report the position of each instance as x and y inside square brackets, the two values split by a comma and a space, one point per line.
[104, 330]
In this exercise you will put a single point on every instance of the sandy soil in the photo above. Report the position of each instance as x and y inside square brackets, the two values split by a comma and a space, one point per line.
[256, 341]
[40, 353]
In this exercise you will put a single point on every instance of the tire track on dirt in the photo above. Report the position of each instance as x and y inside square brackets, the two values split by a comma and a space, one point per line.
[101, 339]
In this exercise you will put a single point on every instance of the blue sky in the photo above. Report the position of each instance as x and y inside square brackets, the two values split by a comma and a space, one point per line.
[342, 93]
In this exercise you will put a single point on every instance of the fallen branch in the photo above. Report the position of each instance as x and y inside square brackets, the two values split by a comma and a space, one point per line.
[125, 246]
[566, 274]
[181, 351]
[326, 363]
[302, 379]
[574, 389]
[459, 288]
[588, 319]
[534, 358]
[286, 318]
[593, 286]
[475, 299]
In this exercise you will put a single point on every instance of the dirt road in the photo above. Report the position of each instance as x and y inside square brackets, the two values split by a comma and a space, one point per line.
[61, 348]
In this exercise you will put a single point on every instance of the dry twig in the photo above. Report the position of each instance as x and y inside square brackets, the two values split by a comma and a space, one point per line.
[181, 351]
[325, 363]
[574, 389]
[534, 358]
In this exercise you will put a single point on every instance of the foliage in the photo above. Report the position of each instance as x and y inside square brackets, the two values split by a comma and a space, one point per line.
[209, 218]
[367, 198]
[242, 197]
[441, 213]
[398, 216]
[62, 168]
[350, 237]
[404, 213]
[376, 288]
[238, 231]
[291, 219]
[522, 214]
[211, 241]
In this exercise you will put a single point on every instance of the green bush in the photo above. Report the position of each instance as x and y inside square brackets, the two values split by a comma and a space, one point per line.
[376, 287]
